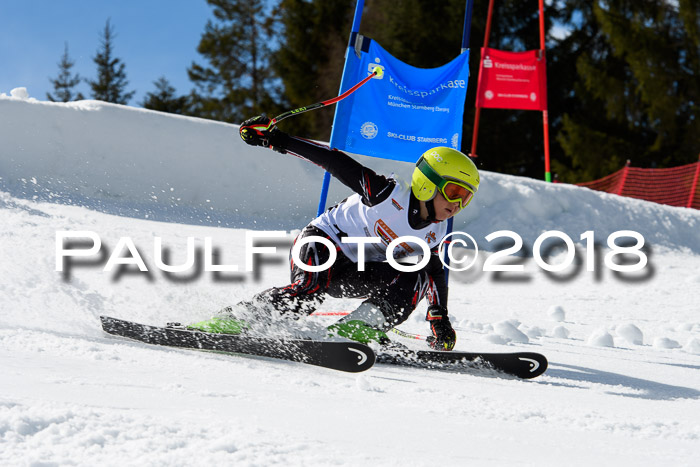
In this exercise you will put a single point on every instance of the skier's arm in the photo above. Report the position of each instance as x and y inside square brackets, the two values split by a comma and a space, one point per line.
[360, 179]
[444, 336]
[437, 295]
[372, 187]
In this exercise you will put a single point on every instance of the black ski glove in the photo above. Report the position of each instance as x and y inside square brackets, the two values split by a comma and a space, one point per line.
[255, 132]
[444, 337]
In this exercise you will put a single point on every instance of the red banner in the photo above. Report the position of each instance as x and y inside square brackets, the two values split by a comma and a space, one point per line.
[512, 80]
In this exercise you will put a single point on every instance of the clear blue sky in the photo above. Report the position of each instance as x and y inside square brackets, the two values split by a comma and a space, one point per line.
[153, 38]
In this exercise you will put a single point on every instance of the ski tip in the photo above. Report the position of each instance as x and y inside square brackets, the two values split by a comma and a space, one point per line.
[536, 365]
[352, 357]
[365, 357]
[108, 319]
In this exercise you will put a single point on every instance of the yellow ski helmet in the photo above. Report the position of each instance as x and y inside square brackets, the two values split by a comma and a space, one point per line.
[448, 170]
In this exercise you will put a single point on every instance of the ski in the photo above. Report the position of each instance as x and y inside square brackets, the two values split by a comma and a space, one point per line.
[524, 365]
[343, 356]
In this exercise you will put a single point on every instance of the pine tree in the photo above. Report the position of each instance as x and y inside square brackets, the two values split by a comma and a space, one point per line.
[111, 75]
[238, 82]
[637, 91]
[425, 34]
[310, 66]
[65, 82]
[596, 134]
[165, 100]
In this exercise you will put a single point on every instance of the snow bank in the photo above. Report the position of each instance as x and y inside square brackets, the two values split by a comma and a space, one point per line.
[142, 163]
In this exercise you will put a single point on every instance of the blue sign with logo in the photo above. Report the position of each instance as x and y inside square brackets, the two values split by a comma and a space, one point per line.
[403, 113]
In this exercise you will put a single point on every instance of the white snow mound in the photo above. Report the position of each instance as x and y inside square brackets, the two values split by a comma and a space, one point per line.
[693, 346]
[510, 333]
[557, 313]
[601, 338]
[630, 333]
[666, 343]
[19, 93]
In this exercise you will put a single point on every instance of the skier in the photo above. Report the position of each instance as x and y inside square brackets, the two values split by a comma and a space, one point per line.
[443, 183]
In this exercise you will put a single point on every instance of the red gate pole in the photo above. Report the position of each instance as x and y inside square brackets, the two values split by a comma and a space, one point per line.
[475, 134]
[545, 114]
[694, 186]
[477, 115]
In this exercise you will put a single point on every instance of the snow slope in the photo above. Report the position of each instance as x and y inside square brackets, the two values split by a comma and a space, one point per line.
[146, 164]
[623, 386]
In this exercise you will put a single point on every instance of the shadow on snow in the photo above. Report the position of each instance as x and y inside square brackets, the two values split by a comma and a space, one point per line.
[646, 389]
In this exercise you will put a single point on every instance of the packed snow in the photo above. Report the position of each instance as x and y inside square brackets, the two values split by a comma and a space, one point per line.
[623, 386]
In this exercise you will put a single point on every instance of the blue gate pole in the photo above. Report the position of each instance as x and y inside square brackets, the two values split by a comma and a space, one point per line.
[465, 45]
[327, 176]
[324, 193]
[467, 25]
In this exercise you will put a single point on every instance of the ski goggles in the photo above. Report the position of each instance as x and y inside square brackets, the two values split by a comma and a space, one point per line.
[452, 190]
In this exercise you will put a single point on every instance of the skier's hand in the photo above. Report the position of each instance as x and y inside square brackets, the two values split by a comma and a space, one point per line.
[444, 337]
[257, 131]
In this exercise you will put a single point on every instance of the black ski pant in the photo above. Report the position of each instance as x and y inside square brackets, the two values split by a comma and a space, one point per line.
[394, 292]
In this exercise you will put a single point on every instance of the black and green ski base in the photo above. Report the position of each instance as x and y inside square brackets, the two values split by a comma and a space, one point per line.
[343, 356]
[525, 365]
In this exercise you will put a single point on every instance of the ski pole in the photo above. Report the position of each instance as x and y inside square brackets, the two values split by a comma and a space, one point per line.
[378, 72]
[409, 335]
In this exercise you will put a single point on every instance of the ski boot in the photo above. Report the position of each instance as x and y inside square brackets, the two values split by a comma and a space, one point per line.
[365, 325]
[225, 322]
[358, 331]
[220, 326]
